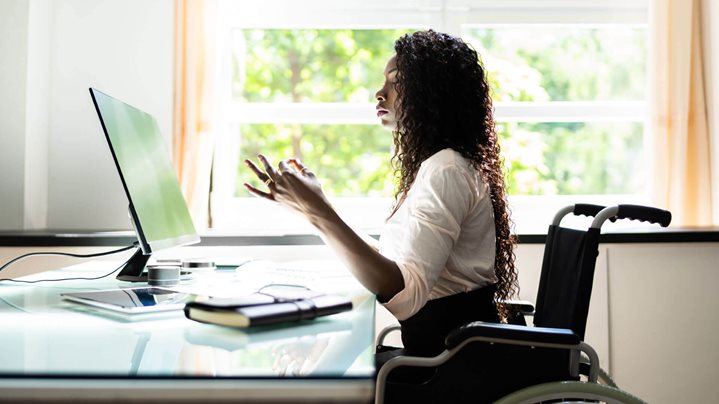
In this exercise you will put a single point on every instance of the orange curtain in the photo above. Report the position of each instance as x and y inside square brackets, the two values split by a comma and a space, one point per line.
[678, 121]
[193, 140]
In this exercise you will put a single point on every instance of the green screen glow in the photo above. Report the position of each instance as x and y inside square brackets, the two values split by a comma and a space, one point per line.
[150, 182]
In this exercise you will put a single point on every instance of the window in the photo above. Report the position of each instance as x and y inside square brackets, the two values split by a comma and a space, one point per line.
[569, 93]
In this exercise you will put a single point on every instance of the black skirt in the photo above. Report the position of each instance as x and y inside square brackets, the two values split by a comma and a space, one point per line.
[424, 333]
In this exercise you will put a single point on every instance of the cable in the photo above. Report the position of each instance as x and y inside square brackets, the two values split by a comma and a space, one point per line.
[16, 259]
[134, 245]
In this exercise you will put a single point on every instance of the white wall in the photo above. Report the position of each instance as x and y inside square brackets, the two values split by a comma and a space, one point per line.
[50, 53]
[125, 49]
[663, 321]
[13, 68]
[37, 114]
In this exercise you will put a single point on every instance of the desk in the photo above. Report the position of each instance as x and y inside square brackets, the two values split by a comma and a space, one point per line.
[52, 348]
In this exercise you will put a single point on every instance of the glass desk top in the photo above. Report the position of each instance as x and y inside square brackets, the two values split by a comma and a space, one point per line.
[45, 338]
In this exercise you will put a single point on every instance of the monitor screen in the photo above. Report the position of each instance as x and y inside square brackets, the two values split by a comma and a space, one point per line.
[156, 205]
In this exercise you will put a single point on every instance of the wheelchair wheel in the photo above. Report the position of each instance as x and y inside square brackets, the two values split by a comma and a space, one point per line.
[605, 379]
[570, 392]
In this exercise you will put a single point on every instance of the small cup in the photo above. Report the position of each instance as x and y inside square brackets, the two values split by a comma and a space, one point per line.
[163, 275]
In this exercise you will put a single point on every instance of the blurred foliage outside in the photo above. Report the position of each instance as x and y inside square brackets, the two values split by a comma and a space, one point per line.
[346, 66]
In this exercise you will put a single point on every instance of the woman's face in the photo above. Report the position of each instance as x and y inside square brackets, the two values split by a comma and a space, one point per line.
[387, 96]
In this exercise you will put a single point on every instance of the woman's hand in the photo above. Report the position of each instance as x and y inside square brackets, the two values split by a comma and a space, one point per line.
[296, 187]
[292, 185]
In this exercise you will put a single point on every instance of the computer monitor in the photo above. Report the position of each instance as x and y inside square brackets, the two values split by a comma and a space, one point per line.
[157, 209]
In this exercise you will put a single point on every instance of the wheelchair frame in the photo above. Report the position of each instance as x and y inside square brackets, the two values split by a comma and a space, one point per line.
[555, 338]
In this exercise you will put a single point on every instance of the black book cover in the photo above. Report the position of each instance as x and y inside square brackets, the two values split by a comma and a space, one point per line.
[261, 309]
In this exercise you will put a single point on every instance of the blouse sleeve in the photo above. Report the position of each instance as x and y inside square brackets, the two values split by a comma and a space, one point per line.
[438, 202]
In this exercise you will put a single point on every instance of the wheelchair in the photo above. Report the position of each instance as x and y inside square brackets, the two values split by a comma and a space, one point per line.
[515, 363]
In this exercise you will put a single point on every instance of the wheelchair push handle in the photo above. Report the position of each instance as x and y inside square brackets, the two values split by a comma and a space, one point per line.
[579, 209]
[587, 209]
[645, 214]
[633, 212]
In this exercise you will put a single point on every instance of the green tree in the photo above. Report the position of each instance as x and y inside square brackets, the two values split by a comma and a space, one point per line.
[567, 64]
[536, 63]
[309, 65]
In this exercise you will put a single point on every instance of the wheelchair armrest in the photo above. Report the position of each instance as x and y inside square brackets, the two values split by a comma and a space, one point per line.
[385, 331]
[523, 307]
[511, 332]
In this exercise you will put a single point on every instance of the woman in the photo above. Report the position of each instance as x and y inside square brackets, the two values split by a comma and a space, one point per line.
[446, 252]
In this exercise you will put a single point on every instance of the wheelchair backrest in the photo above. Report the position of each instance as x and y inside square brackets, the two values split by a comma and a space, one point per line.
[565, 285]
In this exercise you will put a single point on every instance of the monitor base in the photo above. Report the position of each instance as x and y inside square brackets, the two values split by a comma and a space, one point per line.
[134, 269]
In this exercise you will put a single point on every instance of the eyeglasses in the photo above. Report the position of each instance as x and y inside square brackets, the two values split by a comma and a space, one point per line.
[283, 292]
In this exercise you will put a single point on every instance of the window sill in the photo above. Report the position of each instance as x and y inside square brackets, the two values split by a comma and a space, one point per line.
[55, 238]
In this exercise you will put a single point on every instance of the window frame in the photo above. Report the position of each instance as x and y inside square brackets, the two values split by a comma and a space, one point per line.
[368, 214]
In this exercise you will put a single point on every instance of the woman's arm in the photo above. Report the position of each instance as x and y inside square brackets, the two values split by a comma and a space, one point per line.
[297, 188]
[376, 272]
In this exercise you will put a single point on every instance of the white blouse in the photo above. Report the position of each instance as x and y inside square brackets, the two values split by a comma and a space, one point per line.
[442, 237]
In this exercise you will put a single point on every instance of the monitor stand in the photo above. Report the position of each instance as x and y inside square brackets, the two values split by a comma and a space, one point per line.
[134, 269]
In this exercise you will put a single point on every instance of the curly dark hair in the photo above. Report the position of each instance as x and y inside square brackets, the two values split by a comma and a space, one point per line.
[445, 102]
